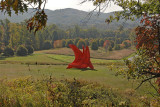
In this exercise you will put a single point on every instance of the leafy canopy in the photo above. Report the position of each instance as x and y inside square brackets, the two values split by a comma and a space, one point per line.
[146, 65]
[35, 23]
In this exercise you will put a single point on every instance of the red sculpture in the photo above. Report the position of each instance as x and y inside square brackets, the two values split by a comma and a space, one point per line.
[82, 60]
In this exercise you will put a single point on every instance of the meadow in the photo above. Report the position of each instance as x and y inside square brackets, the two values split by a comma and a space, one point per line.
[46, 70]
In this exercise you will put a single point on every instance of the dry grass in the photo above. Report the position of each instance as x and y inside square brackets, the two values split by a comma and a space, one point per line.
[100, 54]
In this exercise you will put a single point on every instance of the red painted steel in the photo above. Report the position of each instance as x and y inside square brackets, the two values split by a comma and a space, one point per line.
[82, 59]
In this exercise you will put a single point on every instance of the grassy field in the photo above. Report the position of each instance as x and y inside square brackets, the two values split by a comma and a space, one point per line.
[45, 65]
[99, 54]
[41, 65]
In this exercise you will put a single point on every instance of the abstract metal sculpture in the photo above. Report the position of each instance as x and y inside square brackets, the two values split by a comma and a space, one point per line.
[82, 60]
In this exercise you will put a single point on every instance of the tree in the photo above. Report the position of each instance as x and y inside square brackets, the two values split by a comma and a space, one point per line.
[37, 22]
[127, 43]
[8, 51]
[63, 43]
[76, 41]
[147, 65]
[47, 45]
[117, 47]
[21, 51]
[57, 44]
[30, 49]
[55, 36]
[80, 44]
[101, 42]
[1, 50]
[94, 45]
[87, 42]
[106, 45]
[6, 31]
[69, 42]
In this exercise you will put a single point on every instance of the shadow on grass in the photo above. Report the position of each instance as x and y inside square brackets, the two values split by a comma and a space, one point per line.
[86, 69]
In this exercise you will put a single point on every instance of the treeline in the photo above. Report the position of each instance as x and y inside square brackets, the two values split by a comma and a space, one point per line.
[15, 34]
[107, 43]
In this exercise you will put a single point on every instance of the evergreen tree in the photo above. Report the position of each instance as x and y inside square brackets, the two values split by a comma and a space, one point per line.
[94, 45]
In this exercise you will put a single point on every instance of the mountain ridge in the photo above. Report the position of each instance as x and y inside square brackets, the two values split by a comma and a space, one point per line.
[69, 17]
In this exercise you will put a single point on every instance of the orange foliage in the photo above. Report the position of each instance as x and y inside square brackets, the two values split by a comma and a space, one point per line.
[122, 46]
[57, 44]
[148, 39]
[106, 44]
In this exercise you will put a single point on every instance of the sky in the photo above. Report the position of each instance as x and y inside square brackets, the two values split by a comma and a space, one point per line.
[87, 6]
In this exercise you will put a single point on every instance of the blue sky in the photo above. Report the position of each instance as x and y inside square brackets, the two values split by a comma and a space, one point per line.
[88, 6]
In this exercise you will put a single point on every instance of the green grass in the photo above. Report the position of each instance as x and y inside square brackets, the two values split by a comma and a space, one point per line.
[102, 74]
[54, 59]
[55, 65]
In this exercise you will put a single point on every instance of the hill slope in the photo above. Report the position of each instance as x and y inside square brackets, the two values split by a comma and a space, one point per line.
[70, 17]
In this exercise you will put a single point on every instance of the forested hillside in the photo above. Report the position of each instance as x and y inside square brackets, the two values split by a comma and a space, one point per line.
[70, 17]
[15, 34]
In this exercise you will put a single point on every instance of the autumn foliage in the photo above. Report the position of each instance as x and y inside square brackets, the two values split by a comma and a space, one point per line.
[148, 41]
[148, 35]
[106, 44]
[57, 44]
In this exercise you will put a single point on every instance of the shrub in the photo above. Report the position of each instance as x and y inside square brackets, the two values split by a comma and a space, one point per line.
[47, 44]
[30, 49]
[94, 46]
[8, 51]
[21, 51]
[80, 44]
[69, 42]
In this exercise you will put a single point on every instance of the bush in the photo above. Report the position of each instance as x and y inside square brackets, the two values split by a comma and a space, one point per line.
[69, 42]
[47, 45]
[8, 51]
[30, 49]
[21, 51]
[80, 44]
[94, 46]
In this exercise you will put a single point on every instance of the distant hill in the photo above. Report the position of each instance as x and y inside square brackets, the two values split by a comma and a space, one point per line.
[69, 17]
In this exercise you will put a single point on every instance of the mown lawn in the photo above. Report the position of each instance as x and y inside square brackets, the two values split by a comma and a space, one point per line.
[40, 67]
[45, 65]
[101, 53]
